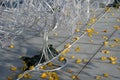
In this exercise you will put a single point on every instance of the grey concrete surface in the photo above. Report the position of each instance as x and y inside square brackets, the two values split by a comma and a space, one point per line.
[29, 45]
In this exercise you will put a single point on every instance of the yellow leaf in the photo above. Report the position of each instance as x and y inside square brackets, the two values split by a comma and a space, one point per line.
[105, 51]
[11, 46]
[98, 77]
[68, 45]
[93, 20]
[105, 43]
[65, 51]
[78, 61]
[77, 30]
[117, 40]
[90, 35]
[51, 78]
[89, 30]
[111, 45]
[95, 32]
[73, 77]
[50, 64]
[24, 68]
[77, 49]
[91, 41]
[55, 76]
[69, 71]
[9, 78]
[105, 37]
[72, 56]
[13, 68]
[103, 58]
[77, 38]
[19, 76]
[85, 60]
[117, 27]
[31, 68]
[42, 67]
[107, 9]
[112, 58]
[61, 58]
[105, 30]
[27, 76]
[44, 75]
[106, 75]
[113, 62]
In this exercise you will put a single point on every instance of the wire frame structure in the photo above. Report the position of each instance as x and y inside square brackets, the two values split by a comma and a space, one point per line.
[43, 16]
[75, 14]
[8, 22]
[105, 2]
